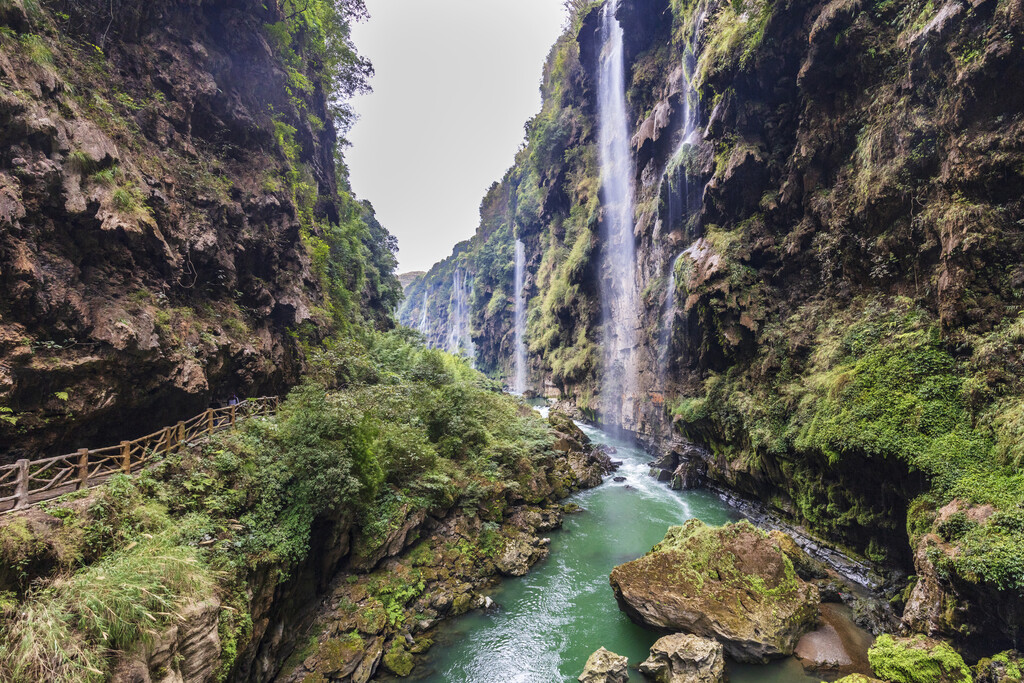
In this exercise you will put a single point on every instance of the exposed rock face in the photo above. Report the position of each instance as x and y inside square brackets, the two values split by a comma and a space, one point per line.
[520, 553]
[693, 580]
[187, 652]
[151, 257]
[681, 658]
[605, 667]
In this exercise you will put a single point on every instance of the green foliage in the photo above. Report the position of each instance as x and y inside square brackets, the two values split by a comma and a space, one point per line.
[916, 660]
[63, 632]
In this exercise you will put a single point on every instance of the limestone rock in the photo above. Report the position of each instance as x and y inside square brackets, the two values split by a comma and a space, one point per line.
[605, 666]
[694, 579]
[520, 553]
[682, 658]
[189, 650]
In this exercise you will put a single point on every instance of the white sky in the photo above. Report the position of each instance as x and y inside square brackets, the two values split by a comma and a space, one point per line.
[455, 82]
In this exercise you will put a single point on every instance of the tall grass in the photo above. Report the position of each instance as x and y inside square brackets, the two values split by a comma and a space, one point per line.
[65, 632]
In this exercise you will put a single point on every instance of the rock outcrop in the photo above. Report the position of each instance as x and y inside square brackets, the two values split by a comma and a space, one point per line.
[681, 658]
[694, 579]
[605, 666]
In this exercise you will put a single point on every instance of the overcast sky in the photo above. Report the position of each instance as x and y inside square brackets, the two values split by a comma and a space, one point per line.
[455, 82]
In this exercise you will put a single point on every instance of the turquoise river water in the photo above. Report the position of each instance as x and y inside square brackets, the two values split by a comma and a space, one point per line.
[548, 622]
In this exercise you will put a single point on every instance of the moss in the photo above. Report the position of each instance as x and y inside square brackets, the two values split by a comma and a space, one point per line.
[397, 660]
[916, 660]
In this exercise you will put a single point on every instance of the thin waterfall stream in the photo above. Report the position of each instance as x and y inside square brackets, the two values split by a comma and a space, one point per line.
[519, 381]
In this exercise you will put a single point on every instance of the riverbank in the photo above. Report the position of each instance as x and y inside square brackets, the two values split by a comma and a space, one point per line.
[547, 623]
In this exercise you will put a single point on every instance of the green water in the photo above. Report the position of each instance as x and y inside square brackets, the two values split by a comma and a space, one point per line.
[552, 619]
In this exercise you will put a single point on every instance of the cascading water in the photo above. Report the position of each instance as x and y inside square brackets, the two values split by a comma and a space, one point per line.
[683, 197]
[619, 311]
[460, 341]
[424, 325]
[668, 318]
[519, 382]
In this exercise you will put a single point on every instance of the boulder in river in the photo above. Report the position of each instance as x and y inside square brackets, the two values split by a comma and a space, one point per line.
[682, 658]
[731, 583]
[604, 666]
[520, 552]
[917, 659]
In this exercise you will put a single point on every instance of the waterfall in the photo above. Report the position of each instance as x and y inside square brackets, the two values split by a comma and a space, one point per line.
[460, 341]
[668, 319]
[682, 197]
[519, 382]
[619, 297]
[424, 325]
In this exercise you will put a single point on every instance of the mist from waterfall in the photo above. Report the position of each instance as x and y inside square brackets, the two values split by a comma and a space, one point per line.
[424, 325]
[460, 341]
[619, 310]
[519, 380]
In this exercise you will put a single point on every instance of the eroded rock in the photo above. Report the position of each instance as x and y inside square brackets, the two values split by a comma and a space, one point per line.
[682, 658]
[605, 666]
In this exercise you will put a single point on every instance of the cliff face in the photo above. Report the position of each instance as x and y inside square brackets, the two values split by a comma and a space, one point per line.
[171, 209]
[828, 268]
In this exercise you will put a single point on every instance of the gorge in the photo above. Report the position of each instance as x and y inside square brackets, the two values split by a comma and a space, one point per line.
[734, 356]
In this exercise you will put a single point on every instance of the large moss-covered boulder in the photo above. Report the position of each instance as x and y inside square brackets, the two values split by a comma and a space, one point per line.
[916, 659]
[732, 583]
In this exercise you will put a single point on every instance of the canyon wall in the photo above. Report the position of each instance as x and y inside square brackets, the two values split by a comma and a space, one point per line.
[175, 225]
[832, 191]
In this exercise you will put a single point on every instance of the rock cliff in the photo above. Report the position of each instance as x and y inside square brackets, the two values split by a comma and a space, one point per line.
[174, 222]
[827, 224]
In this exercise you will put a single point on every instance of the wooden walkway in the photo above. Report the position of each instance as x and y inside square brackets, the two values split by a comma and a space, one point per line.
[32, 481]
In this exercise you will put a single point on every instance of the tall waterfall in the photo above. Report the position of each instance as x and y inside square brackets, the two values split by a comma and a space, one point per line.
[460, 341]
[424, 325]
[519, 382]
[619, 297]
[683, 196]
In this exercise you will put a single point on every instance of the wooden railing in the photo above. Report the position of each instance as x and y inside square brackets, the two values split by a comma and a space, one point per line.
[31, 481]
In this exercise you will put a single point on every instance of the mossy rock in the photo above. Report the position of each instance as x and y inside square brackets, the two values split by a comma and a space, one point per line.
[1005, 667]
[397, 660]
[916, 659]
[857, 678]
[339, 657]
[372, 619]
[731, 583]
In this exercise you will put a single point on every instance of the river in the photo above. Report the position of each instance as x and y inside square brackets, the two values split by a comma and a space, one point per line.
[548, 622]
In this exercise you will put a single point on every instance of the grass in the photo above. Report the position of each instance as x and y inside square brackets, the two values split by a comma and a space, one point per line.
[64, 632]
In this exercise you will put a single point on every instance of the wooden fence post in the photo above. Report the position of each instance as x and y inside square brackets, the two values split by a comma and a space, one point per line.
[180, 429]
[209, 421]
[233, 414]
[21, 489]
[126, 457]
[83, 468]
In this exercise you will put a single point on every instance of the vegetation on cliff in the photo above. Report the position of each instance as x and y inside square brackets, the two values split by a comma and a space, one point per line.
[177, 215]
[382, 428]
